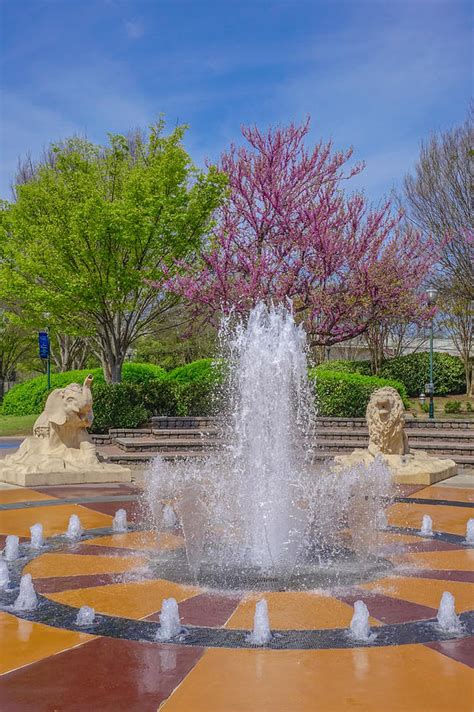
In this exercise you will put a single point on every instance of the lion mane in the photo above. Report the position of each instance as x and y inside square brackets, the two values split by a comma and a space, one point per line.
[386, 436]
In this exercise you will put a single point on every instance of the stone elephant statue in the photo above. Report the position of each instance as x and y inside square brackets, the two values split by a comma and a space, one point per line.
[66, 416]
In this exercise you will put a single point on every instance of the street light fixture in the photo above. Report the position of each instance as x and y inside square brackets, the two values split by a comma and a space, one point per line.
[431, 293]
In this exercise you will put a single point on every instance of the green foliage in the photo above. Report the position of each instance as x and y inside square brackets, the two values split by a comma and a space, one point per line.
[118, 405]
[413, 371]
[161, 397]
[340, 394]
[362, 367]
[469, 407]
[452, 406]
[93, 228]
[203, 368]
[141, 372]
[29, 397]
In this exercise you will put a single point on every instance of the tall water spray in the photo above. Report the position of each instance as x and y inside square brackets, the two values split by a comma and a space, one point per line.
[258, 506]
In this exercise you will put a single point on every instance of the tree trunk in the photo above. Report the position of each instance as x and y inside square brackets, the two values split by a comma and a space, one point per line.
[112, 367]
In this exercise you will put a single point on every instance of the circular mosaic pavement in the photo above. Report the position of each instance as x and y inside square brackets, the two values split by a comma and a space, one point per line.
[124, 577]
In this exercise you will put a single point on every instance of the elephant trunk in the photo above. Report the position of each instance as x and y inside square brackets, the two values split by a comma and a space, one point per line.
[86, 388]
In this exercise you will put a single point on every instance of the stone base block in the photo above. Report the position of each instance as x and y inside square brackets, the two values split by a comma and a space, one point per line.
[416, 468]
[107, 474]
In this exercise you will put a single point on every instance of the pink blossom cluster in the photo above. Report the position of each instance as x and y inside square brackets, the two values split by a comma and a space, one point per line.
[288, 231]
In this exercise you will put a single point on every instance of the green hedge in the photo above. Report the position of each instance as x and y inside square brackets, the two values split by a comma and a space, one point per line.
[29, 397]
[340, 394]
[118, 405]
[413, 371]
[362, 367]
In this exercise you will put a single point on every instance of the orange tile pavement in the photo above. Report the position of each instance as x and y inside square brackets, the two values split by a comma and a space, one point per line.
[23, 642]
[296, 610]
[409, 678]
[147, 541]
[458, 560]
[129, 600]
[22, 494]
[445, 518]
[81, 564]
[53, 518]
[426, 592]
[453, 494]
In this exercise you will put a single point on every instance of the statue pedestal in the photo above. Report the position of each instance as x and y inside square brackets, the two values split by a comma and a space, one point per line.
[415, 468]
[106, 474]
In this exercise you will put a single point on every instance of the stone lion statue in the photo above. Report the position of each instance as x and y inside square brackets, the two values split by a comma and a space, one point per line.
[385, 417]
[60, 442]
[386, 422]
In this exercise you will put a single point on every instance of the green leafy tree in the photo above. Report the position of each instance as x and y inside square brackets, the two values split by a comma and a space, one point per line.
[91, 226]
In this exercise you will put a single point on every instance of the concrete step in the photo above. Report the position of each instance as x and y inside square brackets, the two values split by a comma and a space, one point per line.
[164, 422]
[414, 435]
[165, 444]
[143, 458]
[185, 433]
[435, 448]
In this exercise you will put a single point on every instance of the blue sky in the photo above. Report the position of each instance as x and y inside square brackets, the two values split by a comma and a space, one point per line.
[377, 75]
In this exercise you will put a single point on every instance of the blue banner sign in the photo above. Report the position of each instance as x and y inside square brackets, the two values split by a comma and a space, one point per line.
[43, 341]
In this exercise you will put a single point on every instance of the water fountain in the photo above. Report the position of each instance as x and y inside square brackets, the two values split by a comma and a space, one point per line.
[261, 633]
[27, 599]
[12, 548]
[426, 526]
[4, 575]
[85, 616]
[119, 523]
[169, 517]
[470, 531]
[259, 513]
[74, 529]
[448, 621]
[37, 539]
[360, 626]
[170, 624]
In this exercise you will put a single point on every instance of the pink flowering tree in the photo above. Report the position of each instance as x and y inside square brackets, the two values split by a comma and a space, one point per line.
[289, 232]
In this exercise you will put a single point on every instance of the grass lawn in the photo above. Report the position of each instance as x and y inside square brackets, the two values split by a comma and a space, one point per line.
[439, 404]
[16, 424]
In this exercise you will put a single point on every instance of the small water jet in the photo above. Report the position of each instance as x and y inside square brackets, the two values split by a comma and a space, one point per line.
[261, 633]
[85, 616]
[4, 575]
[37, 539]
[74, 528]
[170, 623]
[119, 523]
[470, 531]
[360, 626]
[12, 548]
[426, 526]
[448, 620]
[169, 517]
[27, 599]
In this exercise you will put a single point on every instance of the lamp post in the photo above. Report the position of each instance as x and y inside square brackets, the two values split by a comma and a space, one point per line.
[431, 293]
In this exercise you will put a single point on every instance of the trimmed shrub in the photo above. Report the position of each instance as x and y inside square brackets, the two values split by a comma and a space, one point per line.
[141, 372]
[453, 406]
[118, 405]
[341, 366]
[340, 394]
[413, 371]
[161, 397]
[29, 397]
[203, 368]
[469, 407]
